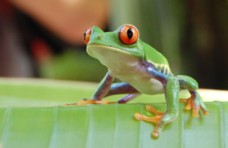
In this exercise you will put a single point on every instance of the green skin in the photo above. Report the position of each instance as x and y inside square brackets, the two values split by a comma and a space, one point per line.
[142, 70]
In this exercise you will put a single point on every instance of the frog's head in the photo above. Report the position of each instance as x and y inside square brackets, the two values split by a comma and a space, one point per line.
[121, 43]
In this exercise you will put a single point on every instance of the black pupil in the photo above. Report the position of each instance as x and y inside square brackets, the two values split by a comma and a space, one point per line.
[84, 35]
[129, 33]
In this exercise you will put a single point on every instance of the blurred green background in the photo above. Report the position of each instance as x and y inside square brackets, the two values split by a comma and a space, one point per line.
[192, 35]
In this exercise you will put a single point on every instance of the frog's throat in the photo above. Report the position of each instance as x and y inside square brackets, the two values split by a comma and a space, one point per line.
[111, 56]
[94, 49]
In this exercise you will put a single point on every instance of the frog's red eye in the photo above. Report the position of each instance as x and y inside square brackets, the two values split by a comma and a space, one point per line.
[87, 34]
[128, 34]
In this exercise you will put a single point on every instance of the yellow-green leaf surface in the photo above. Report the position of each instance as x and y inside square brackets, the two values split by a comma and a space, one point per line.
[32, 115]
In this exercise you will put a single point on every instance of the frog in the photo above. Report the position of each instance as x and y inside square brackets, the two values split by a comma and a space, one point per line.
[140, 69]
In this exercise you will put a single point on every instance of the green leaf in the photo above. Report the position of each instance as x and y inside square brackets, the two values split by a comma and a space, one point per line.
[32, 115]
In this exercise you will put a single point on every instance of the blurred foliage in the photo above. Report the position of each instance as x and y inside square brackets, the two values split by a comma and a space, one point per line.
[73, 65]
[191, 34]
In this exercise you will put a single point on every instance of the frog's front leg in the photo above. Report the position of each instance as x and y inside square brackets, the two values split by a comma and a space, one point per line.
[171, 90]
[103, 87]
[106, 88]
[101, 91]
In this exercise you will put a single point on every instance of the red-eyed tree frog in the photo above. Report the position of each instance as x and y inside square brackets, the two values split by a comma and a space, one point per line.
[142, 70]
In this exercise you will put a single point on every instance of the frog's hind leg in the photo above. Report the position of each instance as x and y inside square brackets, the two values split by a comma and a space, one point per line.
[123, 88]
[127, 98]
[194, 102]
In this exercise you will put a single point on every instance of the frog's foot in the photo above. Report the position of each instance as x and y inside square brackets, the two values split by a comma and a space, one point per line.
[157, 119]
[90, 101]
[195, 104]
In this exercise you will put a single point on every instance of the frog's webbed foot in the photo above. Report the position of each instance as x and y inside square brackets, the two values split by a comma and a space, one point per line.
[89, 101]
[157, 119]
[195, 103]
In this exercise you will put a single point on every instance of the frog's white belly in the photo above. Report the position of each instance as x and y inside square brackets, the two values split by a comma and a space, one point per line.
[137, 77]
[127, 68]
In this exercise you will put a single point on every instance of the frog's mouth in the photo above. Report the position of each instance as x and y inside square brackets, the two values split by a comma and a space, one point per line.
[110, 56]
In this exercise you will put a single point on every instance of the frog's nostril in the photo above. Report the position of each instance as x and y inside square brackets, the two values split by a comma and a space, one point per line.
[100, 36]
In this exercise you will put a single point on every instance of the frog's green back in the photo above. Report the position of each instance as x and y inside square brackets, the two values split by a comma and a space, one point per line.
[156, 58]
[153, 55]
